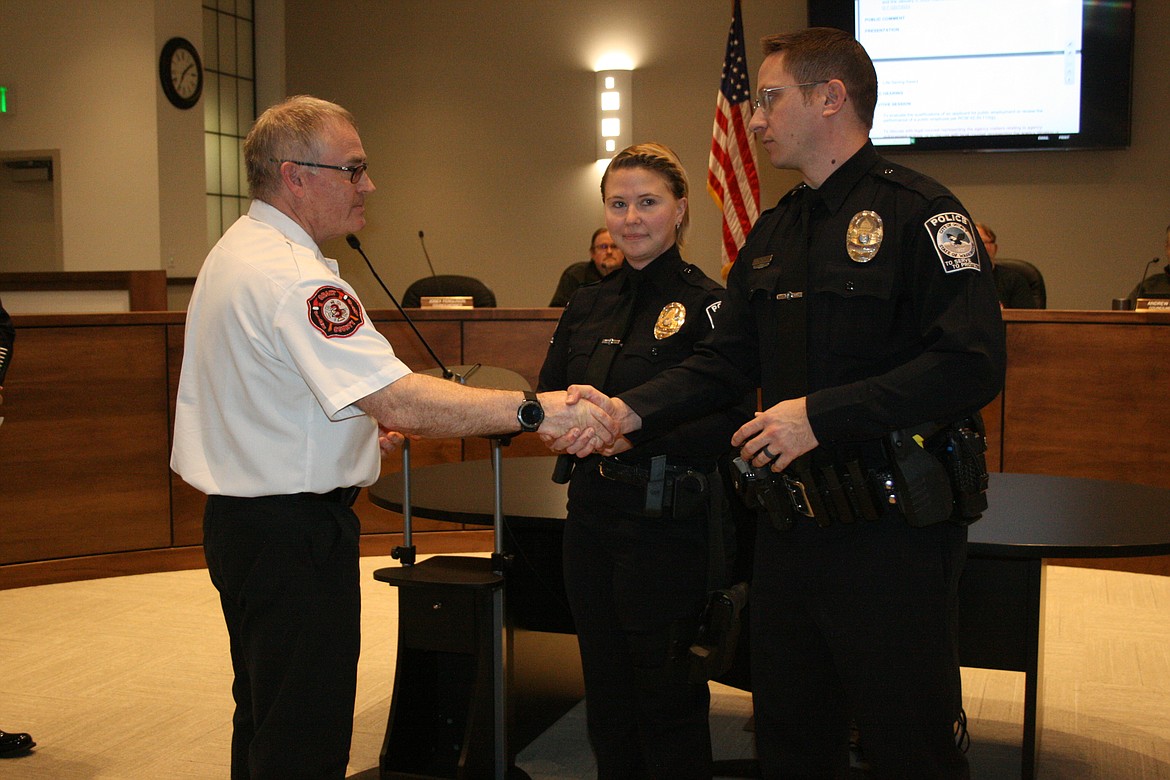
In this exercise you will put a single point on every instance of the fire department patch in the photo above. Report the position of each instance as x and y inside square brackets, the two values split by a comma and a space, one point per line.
[335, 312]
[956, 248]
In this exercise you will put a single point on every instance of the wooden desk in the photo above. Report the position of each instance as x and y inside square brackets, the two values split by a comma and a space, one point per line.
[85, 488]
[1001, 600]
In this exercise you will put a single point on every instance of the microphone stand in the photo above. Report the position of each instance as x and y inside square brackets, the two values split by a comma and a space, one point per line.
[352, 240]
[427, 255]
[1145, 273]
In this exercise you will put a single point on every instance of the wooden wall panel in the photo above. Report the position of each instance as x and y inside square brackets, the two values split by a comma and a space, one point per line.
[84, 443]
[519, 345]
[1087, 400]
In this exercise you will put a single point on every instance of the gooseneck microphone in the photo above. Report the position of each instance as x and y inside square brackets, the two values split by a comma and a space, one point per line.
[1145, 273]
[352, 240]
[427, 255]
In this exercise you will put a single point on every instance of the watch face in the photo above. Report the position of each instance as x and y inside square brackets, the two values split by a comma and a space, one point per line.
[530, 415]
[181, 72]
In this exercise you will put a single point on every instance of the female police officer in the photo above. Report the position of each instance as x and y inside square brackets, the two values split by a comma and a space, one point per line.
[636, 539]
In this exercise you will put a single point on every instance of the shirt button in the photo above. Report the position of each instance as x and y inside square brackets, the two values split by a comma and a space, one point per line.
[849, 286]
[654, 351]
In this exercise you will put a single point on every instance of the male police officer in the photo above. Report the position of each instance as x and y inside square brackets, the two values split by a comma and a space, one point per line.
[861, 306]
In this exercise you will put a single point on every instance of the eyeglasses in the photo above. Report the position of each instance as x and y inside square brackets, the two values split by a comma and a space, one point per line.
[355, 171]
[765, 97]
[604, 247]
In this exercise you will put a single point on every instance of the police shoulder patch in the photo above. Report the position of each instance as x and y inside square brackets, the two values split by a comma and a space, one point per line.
[334, 312]
[952, 233]
[712, 308]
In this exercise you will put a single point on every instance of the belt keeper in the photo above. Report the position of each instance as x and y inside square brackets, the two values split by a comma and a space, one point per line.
[835, 493]
[656, 486]
[860, 491]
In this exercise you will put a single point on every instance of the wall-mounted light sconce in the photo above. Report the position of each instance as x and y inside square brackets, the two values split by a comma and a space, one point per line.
[614, 112]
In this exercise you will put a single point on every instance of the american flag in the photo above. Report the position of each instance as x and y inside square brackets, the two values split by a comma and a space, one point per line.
[731, 170]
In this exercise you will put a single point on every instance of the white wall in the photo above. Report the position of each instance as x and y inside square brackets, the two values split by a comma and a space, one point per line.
[86, 75]
[478, 121]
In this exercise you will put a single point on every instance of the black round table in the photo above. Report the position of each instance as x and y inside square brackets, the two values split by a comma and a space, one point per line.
[1001, 601]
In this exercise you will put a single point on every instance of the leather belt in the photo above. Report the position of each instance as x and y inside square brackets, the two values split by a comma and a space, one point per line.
[342, 495]
[665, 484]
[831, 493]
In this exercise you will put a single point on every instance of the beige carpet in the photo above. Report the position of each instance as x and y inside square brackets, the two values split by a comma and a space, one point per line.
[129, 678]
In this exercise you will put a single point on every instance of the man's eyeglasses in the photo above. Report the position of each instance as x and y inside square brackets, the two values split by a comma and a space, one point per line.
[355, 171]
[604, 247]
[765, 97]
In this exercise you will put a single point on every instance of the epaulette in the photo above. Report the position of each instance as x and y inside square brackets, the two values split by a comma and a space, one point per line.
[911, 180]
[694, 276]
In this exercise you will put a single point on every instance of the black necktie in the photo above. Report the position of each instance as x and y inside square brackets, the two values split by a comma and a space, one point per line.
[616, 329]
[792, 296]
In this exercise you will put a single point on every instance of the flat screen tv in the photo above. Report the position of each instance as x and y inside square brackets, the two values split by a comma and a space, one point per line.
[994, 75]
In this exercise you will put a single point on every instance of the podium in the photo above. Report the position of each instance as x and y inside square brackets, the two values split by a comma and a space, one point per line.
[444, 719]
[449, 710]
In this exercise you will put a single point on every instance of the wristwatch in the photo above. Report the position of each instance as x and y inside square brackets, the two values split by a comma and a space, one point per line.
[530, 414]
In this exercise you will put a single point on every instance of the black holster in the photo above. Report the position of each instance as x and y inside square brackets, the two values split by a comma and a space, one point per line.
[713, 650]
[940, 473]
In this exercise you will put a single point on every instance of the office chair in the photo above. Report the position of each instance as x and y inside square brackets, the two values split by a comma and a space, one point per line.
[1033, 275]
[449, 284]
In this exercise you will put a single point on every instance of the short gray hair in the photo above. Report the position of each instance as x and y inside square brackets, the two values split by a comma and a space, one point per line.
[289, 130]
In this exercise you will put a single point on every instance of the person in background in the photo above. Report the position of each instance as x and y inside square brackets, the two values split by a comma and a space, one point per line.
[1011, 286]
[636, 558]
[862, 308]
[11, 743]
[286, 394]
[605, 257]
[1155, 285]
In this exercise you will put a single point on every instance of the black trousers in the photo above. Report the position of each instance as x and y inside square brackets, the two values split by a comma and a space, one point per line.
[636, 589]
[857, 622]
[287, 573]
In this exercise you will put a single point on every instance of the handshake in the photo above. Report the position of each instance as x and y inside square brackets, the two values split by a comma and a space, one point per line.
[579, 421]
[582, 420]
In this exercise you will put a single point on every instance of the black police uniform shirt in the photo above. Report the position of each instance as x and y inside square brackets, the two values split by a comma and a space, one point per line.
[899, 335]
[681, 305]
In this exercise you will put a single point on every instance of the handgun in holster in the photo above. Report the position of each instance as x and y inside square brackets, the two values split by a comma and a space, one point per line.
[713, 650]
[921, 480]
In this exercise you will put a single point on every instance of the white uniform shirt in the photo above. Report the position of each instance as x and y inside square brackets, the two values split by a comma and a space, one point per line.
[277, 350]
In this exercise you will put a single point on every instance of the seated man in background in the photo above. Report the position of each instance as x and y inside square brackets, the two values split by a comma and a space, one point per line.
[1155, 285]
[1011, 285]
[604, 258]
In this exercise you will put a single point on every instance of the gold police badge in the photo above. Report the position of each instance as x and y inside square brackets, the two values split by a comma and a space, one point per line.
[864, 236]
[670, 320]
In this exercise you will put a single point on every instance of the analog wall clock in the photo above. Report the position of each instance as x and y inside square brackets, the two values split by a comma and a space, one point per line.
[181, 72]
